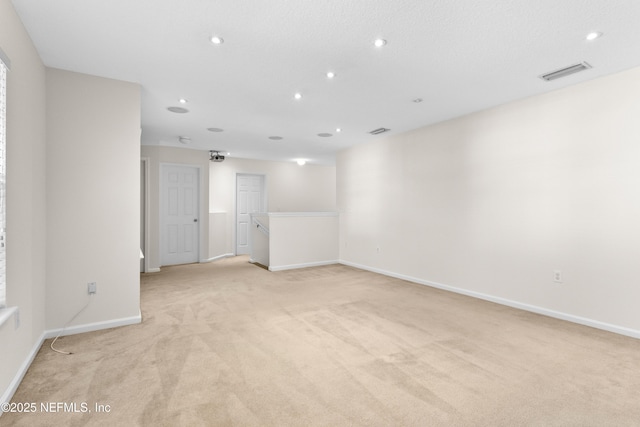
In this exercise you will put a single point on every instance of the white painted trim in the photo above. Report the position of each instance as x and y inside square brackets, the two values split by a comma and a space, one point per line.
[299, 214]
[153, 270]
[147, 213]
[5, 59]
[97, 326]
[17, 379]
[90, 327]
[503, 301]
[216, 258]
[303, 265]
[6, 313]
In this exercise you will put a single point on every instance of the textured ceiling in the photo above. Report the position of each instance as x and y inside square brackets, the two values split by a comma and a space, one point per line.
[459, 56]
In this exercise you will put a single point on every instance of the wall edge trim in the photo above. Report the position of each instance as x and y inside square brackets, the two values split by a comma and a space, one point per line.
[216, 258]
[621, 330]
[96, 326]
[303, 265]
[22, 370]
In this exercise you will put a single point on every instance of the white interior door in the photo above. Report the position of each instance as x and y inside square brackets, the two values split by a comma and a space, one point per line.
[249, 199]
[179, 202]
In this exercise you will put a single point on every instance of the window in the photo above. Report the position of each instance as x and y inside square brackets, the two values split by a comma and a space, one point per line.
[3, 168]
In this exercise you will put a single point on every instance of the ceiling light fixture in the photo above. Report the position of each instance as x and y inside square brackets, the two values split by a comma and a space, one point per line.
[184, 139]
[379, 42]
[594, 35]
[275, 138]
[301, 162]
[217, 40]
[417, 100]
[338, 130]
[182, 101]
[298, 95]
[325, 134]
[331, 75]
[215, 130]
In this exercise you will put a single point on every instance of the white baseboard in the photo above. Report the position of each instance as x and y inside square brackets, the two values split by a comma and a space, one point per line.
[90, 327]
[215, 258]
[97, 326]
[303, 265]
[503, 301]
[202, 261]
[17, 379]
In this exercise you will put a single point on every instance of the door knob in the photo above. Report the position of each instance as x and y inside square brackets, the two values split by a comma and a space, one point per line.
[195, 220]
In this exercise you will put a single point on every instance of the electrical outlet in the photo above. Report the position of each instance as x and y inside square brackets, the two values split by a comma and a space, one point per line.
[92, 288]
[557, 276]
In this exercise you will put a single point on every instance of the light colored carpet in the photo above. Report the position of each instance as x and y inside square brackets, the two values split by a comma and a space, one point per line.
[229, 343]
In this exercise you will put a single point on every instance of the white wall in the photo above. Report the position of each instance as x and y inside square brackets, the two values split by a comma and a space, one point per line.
[25, 197]
[493, 202]
[290, 188]
[299, 240]
[93, 193]
[183, 156]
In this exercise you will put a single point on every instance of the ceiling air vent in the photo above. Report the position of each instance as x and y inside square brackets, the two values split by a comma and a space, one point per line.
[379, 131]
[567, 71]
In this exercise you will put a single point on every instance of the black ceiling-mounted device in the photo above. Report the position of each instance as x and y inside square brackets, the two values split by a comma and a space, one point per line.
[215, 156]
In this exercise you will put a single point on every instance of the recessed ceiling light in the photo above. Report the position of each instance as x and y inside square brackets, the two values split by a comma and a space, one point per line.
[325, 134]
[215, 130]
[594, 35]
[275, 138]
[301, 162]
[183, 101]
[217, 40]
[417, 100]
[178, 110]
[338, 130]
[331, 75]
[298, 95]
[379, 42]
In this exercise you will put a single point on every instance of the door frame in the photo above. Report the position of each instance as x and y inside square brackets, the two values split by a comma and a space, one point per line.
[145, 216]
[201, 212]
[235, 204]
